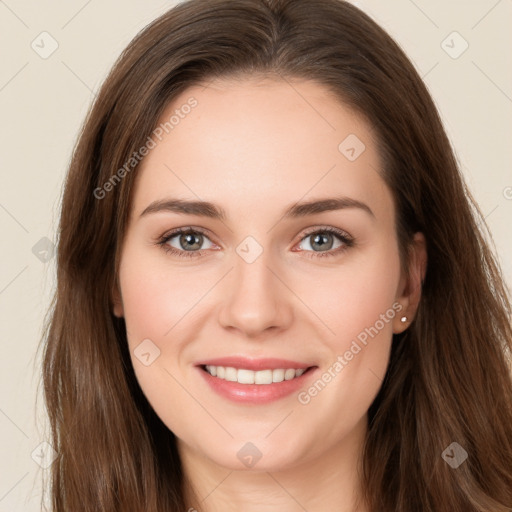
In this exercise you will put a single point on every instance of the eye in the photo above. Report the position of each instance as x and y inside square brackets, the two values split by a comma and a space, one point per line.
[189, 239]
[322, 238]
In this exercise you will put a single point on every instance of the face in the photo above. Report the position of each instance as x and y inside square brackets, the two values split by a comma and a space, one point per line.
[260, 285]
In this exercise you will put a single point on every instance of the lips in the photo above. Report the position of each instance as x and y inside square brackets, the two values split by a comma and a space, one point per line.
[254, 381]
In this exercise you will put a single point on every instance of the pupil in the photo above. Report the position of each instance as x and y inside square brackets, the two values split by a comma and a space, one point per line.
[189, 240]
[322, 240]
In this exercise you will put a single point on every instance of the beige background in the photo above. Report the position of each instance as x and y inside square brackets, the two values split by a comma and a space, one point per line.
[43, 103]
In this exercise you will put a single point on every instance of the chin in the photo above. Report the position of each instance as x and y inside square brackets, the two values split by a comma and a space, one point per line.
[256, 456]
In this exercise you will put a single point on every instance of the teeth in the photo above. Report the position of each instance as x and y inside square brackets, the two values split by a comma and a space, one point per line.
[243, 376]
[231, 374]
[278, 375]
[289, 374]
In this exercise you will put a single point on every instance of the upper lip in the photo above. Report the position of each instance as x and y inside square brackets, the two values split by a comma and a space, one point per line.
[254, 364]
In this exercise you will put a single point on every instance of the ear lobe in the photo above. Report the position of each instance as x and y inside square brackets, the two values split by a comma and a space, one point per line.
[411, 294]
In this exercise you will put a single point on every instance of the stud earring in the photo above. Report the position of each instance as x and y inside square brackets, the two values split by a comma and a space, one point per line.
[403, 319]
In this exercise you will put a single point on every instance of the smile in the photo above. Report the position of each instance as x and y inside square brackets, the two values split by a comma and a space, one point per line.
[255, 380]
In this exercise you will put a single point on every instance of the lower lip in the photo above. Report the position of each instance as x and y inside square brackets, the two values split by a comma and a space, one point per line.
[255, 393]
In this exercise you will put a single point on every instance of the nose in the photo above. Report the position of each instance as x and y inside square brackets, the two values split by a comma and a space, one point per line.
[255, 298]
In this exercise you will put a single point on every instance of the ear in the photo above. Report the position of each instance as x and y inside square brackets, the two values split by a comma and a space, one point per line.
[410, 284]
[117, 301]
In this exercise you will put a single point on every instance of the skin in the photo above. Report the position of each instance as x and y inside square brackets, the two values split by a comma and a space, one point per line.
[255, 147]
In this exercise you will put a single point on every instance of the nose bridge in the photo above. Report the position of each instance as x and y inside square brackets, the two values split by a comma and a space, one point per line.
[254, 299]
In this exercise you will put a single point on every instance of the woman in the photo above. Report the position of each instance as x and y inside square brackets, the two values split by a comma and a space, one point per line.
[273, 292]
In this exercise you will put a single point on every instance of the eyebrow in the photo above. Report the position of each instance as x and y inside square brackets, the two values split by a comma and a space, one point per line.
[297, 210]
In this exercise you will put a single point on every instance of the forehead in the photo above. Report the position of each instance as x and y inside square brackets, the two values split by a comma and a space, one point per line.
[252, 143]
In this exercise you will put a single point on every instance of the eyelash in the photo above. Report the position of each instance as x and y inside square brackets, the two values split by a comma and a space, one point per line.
[347, 240]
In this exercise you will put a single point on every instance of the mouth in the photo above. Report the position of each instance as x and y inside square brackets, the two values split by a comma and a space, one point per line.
[254, 381]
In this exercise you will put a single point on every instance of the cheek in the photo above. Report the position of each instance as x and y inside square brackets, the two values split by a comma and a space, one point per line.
[353, 297]
[359, 310]
[155, 302]
[158, 304]
[155, 296]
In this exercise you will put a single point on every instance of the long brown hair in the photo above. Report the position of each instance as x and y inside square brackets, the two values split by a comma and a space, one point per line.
[448, 378]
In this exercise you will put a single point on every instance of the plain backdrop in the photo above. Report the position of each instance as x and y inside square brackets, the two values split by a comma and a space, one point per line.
[460, 48]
